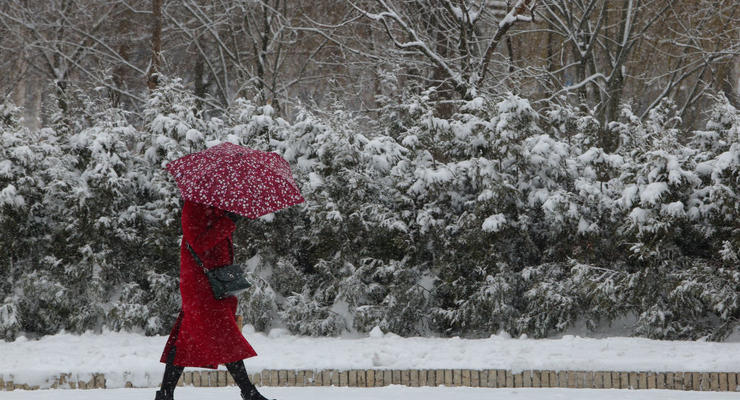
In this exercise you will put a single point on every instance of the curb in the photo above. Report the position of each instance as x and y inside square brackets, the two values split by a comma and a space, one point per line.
[488, 378]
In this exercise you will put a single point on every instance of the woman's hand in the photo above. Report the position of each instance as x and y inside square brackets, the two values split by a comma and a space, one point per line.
[233, 216]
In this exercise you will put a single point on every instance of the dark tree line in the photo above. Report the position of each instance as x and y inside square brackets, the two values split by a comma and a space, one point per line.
[595, 54]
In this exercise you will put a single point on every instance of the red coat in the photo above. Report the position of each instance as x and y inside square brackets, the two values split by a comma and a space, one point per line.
[206, 333]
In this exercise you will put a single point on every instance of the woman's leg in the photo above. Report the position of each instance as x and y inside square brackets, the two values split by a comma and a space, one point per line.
[172, 372]
[169, 382]
[239, 373]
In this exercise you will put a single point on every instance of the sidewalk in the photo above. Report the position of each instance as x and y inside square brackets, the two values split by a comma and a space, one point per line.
[118, 360]
[386, 393]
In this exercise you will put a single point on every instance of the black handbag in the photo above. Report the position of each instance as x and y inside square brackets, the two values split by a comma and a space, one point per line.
[226, 280]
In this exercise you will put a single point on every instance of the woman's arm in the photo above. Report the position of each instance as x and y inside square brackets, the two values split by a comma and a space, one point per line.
[195, 227]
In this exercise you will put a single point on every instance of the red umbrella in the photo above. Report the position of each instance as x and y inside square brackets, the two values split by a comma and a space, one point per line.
[248, 182]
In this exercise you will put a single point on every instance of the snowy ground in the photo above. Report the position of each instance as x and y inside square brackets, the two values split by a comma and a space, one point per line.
[132, 357]
[385, 393]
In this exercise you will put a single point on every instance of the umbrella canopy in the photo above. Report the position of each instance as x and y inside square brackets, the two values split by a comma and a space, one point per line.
[248, 182]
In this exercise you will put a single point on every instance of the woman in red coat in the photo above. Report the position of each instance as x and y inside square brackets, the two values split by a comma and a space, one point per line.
[205, 333]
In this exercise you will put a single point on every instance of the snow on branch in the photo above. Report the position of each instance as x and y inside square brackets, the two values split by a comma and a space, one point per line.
[516, 14]
[416, 42]
[578, 85]
[461, 16]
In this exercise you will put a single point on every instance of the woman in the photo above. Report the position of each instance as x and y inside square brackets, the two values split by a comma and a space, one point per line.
[205, 333]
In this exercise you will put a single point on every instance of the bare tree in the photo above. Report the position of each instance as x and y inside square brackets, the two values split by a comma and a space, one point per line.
[444, 43]
[600, 36]
[66, 40]
[597, 54]
[244, 46]
[610, 49]
[11, 62]
[704, 44]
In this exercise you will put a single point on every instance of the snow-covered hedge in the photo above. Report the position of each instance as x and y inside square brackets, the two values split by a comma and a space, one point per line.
[498, 218]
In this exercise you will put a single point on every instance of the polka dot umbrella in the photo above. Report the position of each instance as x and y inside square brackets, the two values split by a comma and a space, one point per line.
[234, 178]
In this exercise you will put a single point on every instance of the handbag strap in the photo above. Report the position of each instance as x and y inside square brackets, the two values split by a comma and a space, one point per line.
[197, 259]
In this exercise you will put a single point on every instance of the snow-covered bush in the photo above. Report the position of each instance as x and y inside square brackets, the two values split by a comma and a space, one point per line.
[496, 218]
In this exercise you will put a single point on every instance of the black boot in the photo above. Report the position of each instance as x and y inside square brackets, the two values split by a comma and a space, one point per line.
[253, 394]
[169, 382]
[164, 395]
[239, 373]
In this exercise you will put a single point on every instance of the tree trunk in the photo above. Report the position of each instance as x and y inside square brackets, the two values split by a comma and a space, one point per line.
[124, 49]
[580, 76]
[550, 57]
[199, 81]
[445, 92]
[730, 80]
[19, 91]
[153, 78]
[736, 77]
[612, 100]
[262, 56]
